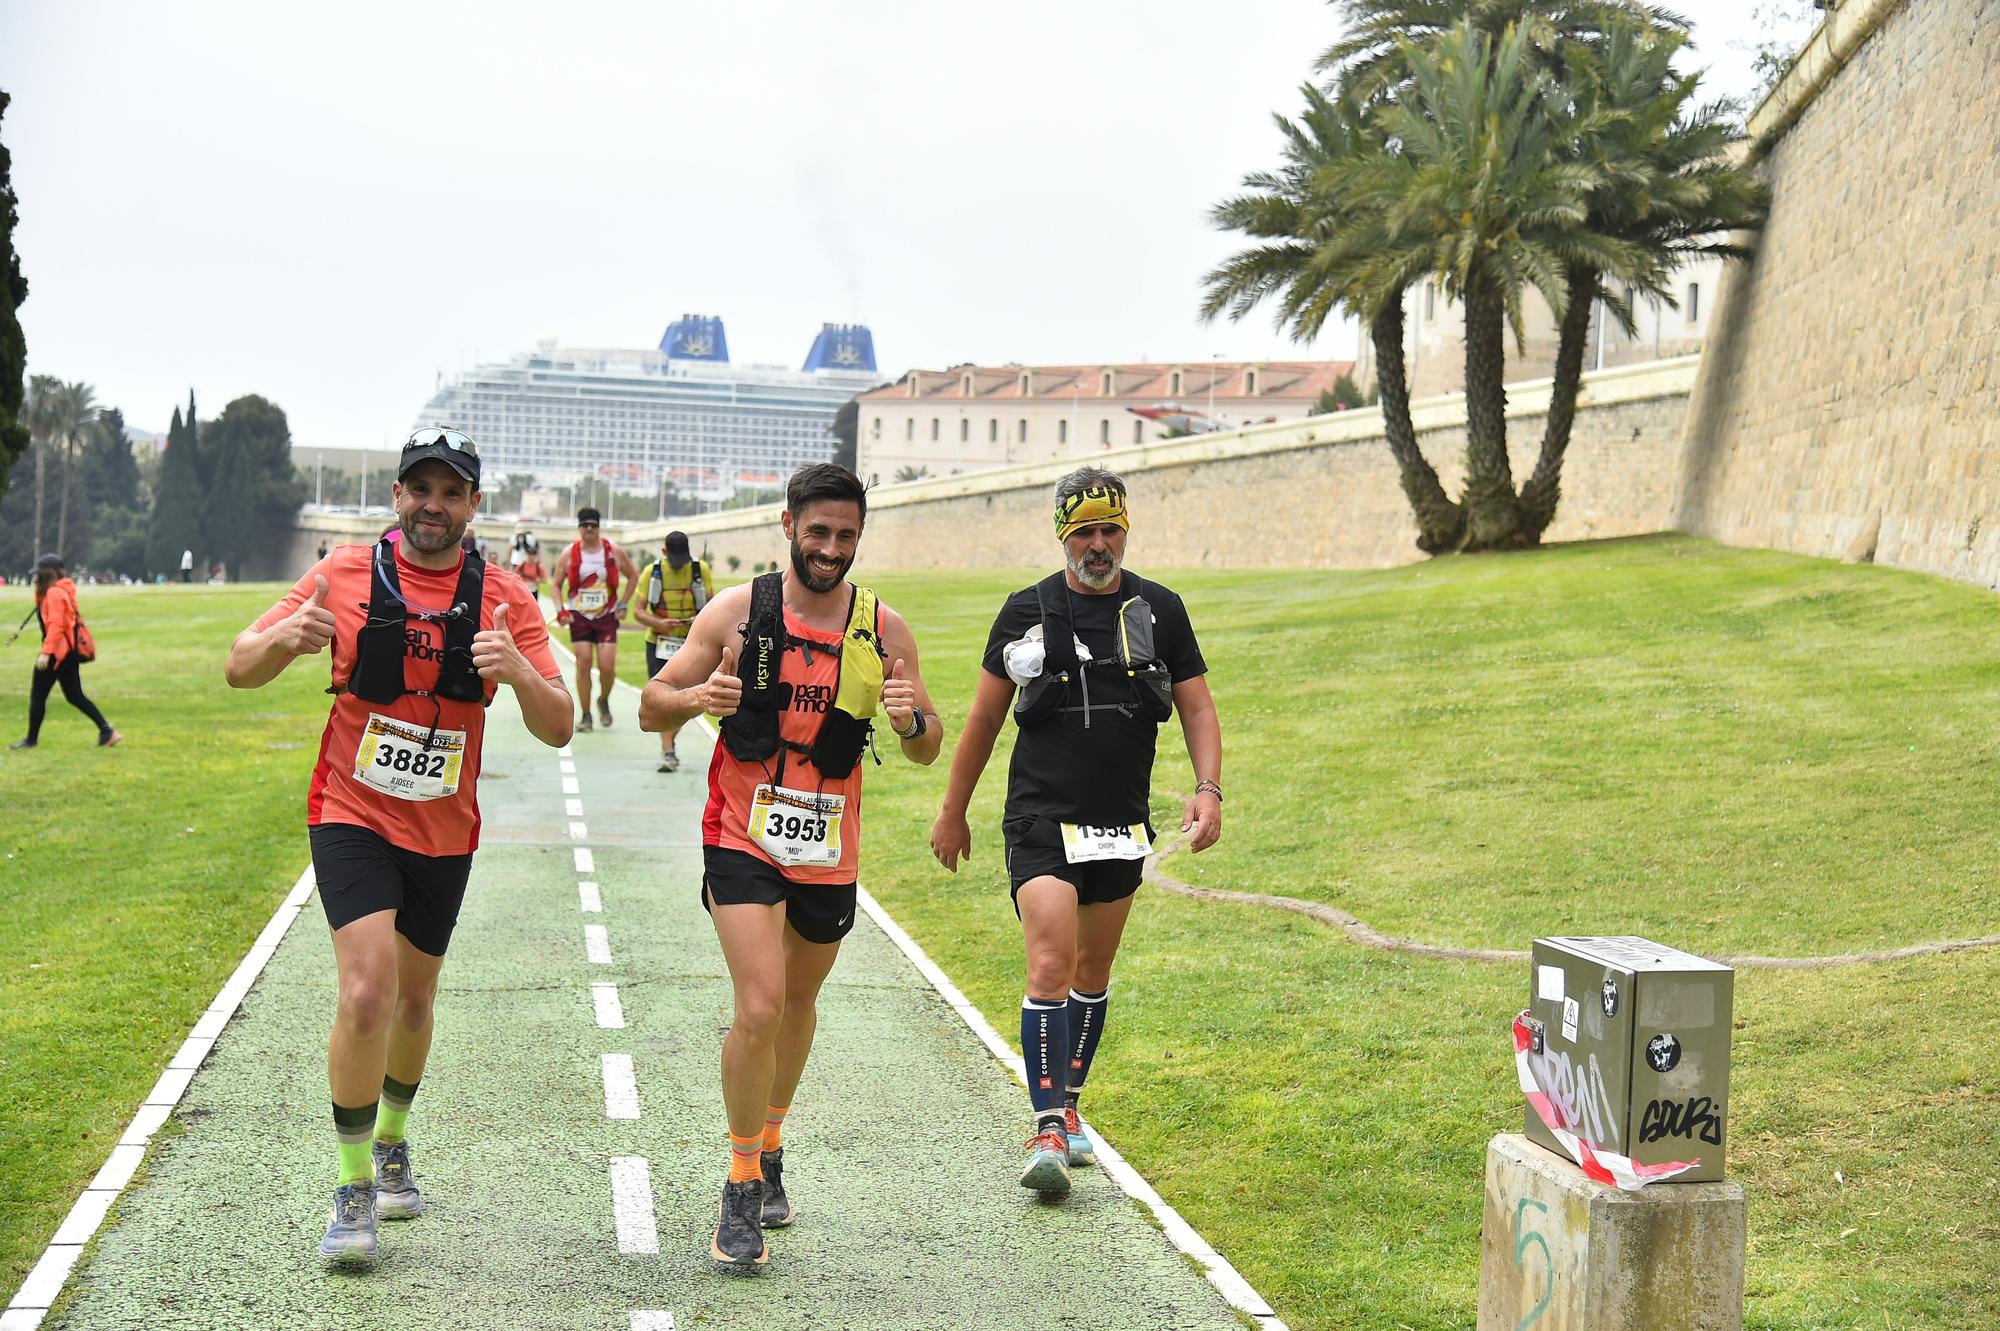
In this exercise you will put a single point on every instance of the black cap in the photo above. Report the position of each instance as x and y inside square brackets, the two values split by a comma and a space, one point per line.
[48, 561]
[677, 548]
[454, 448]
[584, 515]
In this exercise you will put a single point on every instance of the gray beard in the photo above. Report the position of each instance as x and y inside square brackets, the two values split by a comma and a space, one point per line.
[1096, 581]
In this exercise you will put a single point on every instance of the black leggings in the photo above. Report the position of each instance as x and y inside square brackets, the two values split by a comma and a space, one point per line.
[69, 674]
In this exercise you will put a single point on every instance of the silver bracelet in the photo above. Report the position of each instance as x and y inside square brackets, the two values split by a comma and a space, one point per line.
[1206, 787]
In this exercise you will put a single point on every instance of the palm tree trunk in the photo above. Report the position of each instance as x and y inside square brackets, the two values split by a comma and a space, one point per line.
[1492, 509]
[62, 511]
[41, 463]
[1440, 522]
[1543, 489]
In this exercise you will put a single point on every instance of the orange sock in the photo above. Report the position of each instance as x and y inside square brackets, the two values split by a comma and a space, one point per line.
[743, 1162]
[774, 1126]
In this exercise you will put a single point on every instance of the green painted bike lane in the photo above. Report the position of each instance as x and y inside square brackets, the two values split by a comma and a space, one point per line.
[901, 1150]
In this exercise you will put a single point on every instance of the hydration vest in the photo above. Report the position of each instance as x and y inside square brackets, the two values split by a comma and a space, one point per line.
[1146, 682]
[657, 586]
[378, 649]
[575, 578]
[751, 733]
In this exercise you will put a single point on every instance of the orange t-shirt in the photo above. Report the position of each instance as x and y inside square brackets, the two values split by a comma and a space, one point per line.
[732, 783]
[446, 826]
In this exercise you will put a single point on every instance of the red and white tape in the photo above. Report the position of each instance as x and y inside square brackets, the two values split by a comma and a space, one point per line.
[1598, 1164]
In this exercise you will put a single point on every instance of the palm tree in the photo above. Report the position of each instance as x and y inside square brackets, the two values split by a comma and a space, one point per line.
[1665, 185]
[1370, 55]
[43, 392]
[1330, 248]
[75, 408]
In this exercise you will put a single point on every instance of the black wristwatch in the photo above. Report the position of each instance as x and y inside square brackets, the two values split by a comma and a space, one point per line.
[917, 727]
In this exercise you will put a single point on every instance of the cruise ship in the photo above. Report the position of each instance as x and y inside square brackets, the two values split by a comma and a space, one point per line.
[681, 414]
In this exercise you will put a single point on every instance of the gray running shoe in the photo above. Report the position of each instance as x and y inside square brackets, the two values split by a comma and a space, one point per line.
[583, 726]
[1047, 1170]
[739, 1234]
[777, 1206]
[604, 711]
[670, 761]
[351, 1230]
[396, 1195]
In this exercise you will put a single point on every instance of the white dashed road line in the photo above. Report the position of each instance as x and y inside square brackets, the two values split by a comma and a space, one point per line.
[586, 893]
[584, 862]
[632, 1204]
[621, 1087]
[610, 1012]
[597, 944]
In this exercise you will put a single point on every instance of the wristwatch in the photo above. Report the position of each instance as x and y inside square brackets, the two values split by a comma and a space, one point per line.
[917, 726]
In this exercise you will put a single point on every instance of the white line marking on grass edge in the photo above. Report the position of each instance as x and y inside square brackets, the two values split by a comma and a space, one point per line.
[597, 944]
[621, 1087]
[610, 1012]
[632, 1204]
[586, 895]
[1227, 1280]
[45, 1282]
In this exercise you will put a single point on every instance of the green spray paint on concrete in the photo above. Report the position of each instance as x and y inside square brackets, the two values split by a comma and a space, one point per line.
[901, 1149]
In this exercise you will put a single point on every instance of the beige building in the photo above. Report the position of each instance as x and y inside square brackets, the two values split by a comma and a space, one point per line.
[974, 417]
[1434, 334]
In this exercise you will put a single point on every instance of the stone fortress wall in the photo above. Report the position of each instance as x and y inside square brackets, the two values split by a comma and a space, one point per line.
[1847, 404]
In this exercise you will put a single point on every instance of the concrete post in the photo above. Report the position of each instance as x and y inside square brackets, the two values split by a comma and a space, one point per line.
[1558, 1252]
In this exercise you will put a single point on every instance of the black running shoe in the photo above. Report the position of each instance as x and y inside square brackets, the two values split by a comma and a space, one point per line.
[777, 1206]
[739, 1232]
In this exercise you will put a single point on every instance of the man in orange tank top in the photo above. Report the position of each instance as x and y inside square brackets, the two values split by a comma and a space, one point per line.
[781, 834]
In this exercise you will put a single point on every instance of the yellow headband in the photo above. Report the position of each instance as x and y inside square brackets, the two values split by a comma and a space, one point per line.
[1100, 503]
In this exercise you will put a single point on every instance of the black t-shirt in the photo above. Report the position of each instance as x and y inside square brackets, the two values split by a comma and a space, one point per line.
[1100, 772]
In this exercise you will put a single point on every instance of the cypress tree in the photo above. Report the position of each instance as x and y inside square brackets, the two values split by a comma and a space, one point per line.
[177, 505]
[13, 343]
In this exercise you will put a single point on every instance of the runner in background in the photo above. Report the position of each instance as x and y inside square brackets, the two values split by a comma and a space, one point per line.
[782, 831]
[1101, 658]
[593, 586]
[423, 634]
[670, 592]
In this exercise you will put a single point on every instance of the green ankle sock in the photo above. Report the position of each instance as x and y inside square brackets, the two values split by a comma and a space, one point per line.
[394, 1117]
[354, 1127]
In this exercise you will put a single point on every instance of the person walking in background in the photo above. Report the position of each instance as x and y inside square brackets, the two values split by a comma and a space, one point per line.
[187, 566]
[66, 647]
[669, 593]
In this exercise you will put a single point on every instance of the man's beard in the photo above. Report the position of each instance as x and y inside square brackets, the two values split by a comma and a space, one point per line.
[429, 541]
[815, 580]
[1093, 570]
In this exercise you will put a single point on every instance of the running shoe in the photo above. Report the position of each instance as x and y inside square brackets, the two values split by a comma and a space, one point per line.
[108, 738]
[1080, 1150]
[670, 761]
[604, 712]
[583, 727]
[350, 1231]
[22, 744]
[1047, 1171]
[396, 1195]
[777, 1206]
[739, 1231]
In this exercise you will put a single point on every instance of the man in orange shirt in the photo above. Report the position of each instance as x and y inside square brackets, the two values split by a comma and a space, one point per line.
[423, 634]
[782, 831]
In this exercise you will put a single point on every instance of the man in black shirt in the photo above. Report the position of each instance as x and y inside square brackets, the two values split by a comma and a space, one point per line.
[1100, 657]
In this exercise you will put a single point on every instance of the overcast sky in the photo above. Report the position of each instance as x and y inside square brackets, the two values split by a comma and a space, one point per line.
[332, 205]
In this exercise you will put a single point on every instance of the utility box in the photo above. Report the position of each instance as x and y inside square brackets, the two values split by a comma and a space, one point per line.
[1633, 1040]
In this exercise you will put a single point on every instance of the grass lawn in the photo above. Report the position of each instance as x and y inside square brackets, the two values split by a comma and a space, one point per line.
[134, 878]
[1732, 751]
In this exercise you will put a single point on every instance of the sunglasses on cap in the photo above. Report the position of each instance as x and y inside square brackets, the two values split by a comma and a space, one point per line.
[455, 440]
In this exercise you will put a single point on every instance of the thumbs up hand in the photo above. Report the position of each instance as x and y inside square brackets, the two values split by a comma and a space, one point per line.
[723, 693]
[899, 697]
[495, 654]
[310, 627]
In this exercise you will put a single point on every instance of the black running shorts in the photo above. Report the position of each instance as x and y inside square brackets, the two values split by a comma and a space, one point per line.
[1035, 850]
[360, 873]
[821, 912]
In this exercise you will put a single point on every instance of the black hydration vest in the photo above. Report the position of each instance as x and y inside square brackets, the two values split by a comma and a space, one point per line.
[1134, 677]
[378, 651]
[751, 733]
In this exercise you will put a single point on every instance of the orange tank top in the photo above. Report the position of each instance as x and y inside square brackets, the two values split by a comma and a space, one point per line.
[800, 797]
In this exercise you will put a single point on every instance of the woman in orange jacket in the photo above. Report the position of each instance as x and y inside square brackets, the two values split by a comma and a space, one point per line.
[66, 645]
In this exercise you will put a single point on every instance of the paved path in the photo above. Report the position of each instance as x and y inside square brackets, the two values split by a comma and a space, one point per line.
[568, 1133]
